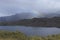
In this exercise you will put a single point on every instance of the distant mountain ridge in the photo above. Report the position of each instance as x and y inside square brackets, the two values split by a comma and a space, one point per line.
[26, 16]
[17, 17]
[36, 22]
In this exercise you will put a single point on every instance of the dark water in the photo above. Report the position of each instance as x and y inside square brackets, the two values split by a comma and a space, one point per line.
[32, 31]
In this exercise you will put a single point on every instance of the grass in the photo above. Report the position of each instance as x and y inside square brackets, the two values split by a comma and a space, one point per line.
[6, 35]
[49, 37]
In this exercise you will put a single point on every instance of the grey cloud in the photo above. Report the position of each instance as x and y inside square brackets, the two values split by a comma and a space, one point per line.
[9, 7]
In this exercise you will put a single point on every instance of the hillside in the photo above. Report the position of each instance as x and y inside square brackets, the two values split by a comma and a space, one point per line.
[40, 22]
[45, 22]
[17, 17]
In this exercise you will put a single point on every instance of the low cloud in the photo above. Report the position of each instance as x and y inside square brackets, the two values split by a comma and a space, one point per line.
[10, 7]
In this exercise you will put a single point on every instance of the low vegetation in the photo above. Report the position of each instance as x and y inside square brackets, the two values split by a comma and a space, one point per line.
[50, 37]
[6, 35]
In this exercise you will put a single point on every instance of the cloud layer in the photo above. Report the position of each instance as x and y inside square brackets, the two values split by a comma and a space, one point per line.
[10, 7]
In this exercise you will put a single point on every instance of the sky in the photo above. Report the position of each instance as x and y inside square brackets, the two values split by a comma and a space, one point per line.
[37, 7]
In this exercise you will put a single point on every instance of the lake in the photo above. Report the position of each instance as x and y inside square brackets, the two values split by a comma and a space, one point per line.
[32, 31]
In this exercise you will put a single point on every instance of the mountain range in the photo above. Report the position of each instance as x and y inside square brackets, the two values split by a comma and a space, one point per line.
[21, 16]
[17, 17]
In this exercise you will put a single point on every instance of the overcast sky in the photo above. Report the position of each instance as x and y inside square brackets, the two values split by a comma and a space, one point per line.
[10, 7]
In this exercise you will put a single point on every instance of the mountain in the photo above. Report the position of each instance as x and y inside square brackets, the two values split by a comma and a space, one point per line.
[53, 20]
[17, 17]
[21, 16]
[38, 22]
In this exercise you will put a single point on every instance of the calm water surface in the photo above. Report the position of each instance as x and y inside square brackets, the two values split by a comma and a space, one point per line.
[32, 31]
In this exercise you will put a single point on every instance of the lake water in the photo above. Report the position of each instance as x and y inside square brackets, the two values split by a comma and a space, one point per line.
[32, 31]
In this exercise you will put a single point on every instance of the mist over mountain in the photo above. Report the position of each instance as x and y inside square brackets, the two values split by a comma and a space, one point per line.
[18, 17]
[23, 15]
